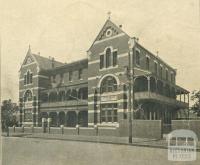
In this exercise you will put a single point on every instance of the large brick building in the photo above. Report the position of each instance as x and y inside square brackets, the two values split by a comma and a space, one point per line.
[94, 90]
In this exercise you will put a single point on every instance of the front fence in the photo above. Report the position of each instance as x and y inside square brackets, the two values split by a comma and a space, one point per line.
[140, 128]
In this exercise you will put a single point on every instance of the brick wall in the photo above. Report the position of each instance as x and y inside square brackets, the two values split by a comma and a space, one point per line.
[142, 128]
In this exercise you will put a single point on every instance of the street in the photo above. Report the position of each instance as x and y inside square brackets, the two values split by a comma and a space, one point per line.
[30, 151]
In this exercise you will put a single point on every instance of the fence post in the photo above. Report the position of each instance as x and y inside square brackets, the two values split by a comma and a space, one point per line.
[44, 125]
[77, 128]
[23, 128]
[62, 128]
[49, 124]
[32, 129]
[14, 128]
[96, 129]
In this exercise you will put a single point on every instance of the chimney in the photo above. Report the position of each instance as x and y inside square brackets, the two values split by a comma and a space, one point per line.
[52, 62]
[120, 26]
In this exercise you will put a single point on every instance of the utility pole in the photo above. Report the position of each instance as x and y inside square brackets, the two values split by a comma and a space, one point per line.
[130, 77]
[129, 99]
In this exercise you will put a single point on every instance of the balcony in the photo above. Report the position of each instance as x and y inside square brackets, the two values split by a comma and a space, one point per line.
[68, 103]
[160, 98]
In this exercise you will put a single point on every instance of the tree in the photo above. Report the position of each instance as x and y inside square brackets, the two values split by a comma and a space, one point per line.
[196, 98]
[8, 118]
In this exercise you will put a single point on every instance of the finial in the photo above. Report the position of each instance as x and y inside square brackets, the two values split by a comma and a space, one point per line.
[109, 14]
[29, 49]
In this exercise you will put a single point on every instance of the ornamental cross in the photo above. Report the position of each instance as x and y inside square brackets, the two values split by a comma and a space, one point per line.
[109, 14]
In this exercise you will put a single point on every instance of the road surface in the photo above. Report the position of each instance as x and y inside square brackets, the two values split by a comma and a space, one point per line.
[30, 151]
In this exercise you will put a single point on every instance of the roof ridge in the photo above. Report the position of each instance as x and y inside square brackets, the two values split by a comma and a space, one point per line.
[46, 58]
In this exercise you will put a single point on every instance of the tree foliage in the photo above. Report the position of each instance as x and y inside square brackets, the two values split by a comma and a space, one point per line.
[8, 110]
[196, 98]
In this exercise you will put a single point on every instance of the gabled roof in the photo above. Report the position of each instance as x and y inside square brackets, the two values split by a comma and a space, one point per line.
[108, 24]
[46, 63]
[42, 62]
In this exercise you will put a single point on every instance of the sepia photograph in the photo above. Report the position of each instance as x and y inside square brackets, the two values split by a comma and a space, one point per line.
[114, 82]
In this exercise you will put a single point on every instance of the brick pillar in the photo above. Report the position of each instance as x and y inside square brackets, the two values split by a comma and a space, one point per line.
[122, 109]
[21, 111]
[94, 107]
[148, 78]
[34, 111]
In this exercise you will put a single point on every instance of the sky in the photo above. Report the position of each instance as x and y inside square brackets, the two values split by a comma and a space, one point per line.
[66, 29]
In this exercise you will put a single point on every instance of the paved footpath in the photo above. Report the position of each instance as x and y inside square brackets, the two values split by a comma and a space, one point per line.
[37, 151]
[154, 143]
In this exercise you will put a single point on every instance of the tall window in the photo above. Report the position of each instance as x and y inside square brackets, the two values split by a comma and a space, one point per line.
[101, 61]
[70, 75]
[109, 112]
[156, 68]
[161, 70]
[137, 57]
[28, 78]
[108, 57]
[166, 72]
[115, 58]
[109, 84]
[80, 73]
[147, 63]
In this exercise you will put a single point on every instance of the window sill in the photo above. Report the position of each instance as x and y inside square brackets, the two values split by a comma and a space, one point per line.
[28, 84]
[111, 67]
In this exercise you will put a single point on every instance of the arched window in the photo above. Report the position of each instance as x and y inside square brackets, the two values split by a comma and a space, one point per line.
[108, 57]
[109, 84]
[28, 96]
